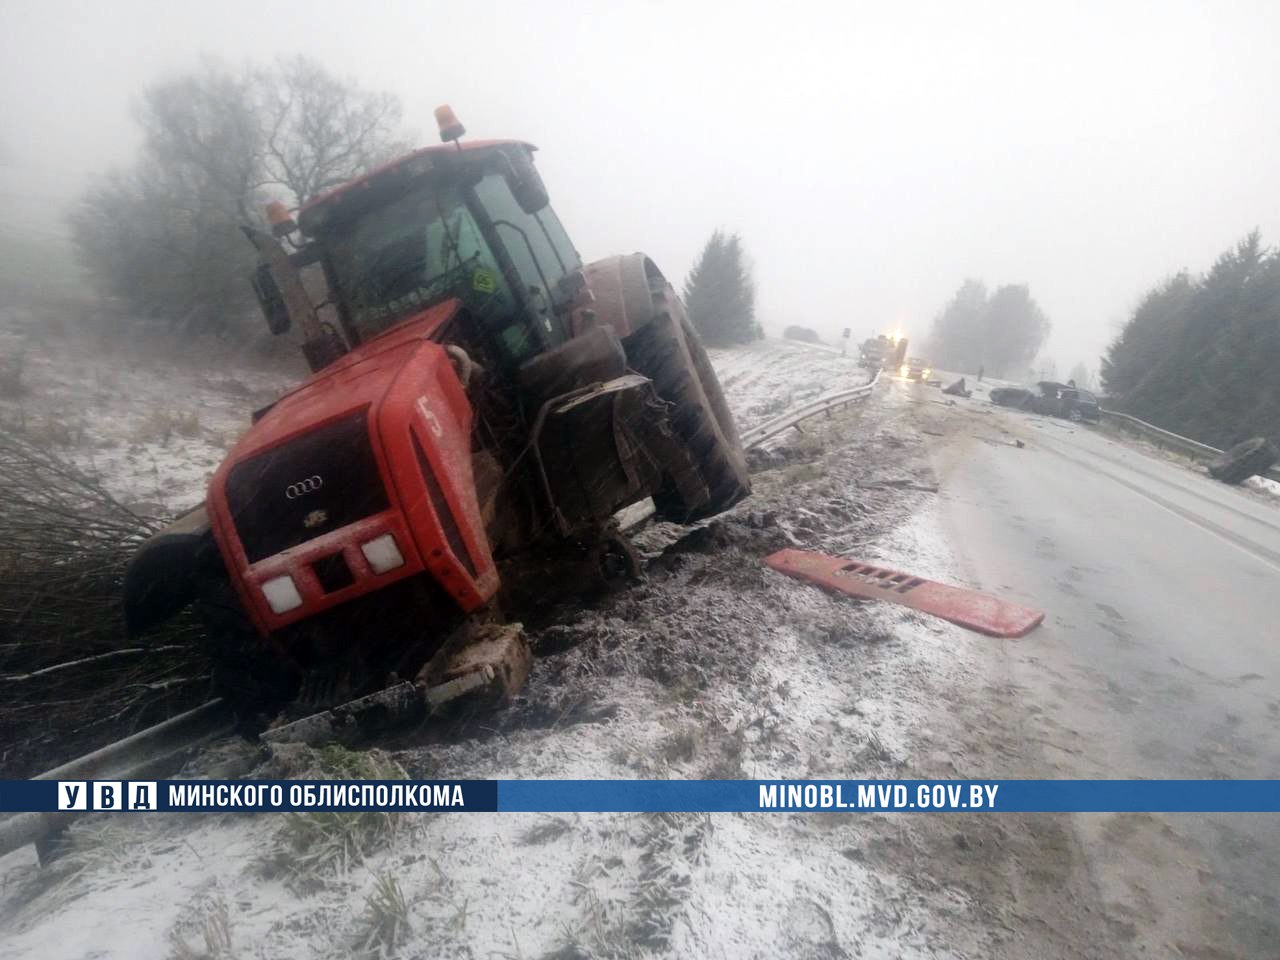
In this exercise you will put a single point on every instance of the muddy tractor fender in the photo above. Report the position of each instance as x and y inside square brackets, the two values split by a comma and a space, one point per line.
[627, 291]
[630, 295]
[164, 574]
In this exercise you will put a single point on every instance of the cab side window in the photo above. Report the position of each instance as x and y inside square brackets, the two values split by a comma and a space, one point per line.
[539, 265]
[455, 246]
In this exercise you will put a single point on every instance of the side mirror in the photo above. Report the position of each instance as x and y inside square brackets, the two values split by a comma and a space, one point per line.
[526, 183]
[270, 299]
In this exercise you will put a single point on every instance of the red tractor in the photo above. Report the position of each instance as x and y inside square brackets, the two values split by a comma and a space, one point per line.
[481, 405]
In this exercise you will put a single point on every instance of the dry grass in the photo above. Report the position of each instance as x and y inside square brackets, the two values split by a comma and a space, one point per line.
[65, 686]
[60, 430]
[385, 923]
[163, 425]
[214, 928]
[309, 847]
[681, 746]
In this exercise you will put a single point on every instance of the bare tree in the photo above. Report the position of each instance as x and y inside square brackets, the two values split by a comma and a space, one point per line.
[1046, 369]
[319, 130]
[163, 237]
[1000, 333]
[203, 131]
[1082, 377]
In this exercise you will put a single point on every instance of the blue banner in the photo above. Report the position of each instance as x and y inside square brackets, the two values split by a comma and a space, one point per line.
[906, 796]
[675, 796]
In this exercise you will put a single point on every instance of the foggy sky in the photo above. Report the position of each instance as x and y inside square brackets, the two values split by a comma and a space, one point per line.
[871, 155]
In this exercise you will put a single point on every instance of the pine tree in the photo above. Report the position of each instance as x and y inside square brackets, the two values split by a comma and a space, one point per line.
[720, 294]
[1198, 355]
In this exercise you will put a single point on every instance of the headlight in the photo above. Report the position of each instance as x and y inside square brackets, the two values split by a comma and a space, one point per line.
[282, 594]
[382, 553]
[904, 370]
[926, 374]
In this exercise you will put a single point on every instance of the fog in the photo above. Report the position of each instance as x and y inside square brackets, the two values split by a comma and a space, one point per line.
[871, 158]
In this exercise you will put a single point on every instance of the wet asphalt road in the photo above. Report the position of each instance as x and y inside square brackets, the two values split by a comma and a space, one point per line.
[1159, 656]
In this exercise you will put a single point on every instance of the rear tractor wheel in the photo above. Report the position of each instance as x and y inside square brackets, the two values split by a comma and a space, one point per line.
[668, 351]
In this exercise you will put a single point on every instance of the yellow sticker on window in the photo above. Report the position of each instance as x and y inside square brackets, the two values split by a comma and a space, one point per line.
[486, 281]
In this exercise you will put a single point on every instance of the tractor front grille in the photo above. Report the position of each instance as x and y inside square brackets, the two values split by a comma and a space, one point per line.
[305, 488]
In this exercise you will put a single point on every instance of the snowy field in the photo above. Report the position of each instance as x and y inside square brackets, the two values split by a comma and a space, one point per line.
[714, 667]
[153, 431]
[769, 377]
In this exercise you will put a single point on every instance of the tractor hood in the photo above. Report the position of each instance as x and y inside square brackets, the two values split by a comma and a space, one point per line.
[375, 445]
[356, 379]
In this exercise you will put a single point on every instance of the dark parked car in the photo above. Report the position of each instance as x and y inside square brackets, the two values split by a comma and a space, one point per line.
[1051, 399]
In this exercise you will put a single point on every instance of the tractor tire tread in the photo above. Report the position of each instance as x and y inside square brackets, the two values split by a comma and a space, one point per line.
[669, 353]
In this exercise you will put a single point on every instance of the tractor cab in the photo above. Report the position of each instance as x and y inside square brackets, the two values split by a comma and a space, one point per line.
[469, 222]
[481, 406]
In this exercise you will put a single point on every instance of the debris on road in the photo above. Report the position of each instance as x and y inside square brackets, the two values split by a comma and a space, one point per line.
[903, 483]
[965, 608]
[997, 442]
[1244, 460]
[957, 389]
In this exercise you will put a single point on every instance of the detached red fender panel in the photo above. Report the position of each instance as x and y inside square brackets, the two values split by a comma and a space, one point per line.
[966, 608]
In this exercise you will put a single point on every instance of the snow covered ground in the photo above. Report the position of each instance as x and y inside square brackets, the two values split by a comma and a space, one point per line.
[153, 430]
[714, 667]
[769, 377]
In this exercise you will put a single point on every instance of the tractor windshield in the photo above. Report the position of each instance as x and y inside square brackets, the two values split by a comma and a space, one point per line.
[401, 257]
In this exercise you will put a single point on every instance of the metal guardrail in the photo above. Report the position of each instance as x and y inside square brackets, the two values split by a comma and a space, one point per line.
[829, 401]
[148, 754]
[1192, 448]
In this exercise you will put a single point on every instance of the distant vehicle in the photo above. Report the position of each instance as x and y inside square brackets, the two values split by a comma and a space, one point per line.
[1051, 399]
[915, 369]
[882, 351]
[803, 334]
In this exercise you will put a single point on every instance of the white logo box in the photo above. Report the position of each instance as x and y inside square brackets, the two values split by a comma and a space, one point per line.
[107, 794]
